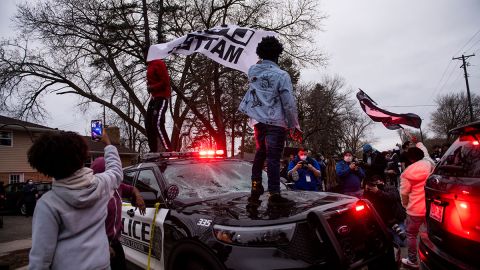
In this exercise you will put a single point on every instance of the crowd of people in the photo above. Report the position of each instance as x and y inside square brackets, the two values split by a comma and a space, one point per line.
[71, 219]
[393, 181]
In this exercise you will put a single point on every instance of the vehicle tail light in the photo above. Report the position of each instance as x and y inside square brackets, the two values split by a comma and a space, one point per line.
[475, 143]
[360, 207]
[219, 152]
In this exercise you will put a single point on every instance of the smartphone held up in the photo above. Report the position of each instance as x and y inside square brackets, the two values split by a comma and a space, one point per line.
[96, 130]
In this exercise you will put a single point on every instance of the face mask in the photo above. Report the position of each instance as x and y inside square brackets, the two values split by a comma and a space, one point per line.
[303, 157]
[348, 158]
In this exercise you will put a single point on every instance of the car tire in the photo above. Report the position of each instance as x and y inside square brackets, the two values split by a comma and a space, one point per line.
[193, 256]
[23, 209]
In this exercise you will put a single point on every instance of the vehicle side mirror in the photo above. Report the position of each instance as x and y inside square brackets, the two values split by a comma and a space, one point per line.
[172, 192]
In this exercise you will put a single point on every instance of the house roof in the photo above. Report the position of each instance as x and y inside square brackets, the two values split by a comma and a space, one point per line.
[13, 123]
[97, 147]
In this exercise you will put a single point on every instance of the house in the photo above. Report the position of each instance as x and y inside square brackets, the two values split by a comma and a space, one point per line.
[17, 136]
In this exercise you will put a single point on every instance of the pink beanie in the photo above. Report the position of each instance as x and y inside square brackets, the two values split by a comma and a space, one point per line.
[98, 165]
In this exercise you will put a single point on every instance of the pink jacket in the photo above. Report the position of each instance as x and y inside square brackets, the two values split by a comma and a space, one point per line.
[412, 184]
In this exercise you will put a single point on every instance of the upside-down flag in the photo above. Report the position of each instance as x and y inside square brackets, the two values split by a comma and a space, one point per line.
[388, 119]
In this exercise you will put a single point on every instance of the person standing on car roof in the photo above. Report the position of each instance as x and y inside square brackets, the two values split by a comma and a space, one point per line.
[113, 222]
[305, 172]
[270, 104]
[158, 85]
[68, 226]
[30, 196]
[412, 193]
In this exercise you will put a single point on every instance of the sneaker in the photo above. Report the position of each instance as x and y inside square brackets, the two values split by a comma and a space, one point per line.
[276, 198]
[409, 264]
[257, 188]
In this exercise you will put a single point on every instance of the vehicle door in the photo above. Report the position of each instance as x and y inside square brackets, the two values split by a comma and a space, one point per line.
[142, 242]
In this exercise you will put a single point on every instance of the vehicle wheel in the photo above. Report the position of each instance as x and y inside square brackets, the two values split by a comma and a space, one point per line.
[192, 256]
[23, 209]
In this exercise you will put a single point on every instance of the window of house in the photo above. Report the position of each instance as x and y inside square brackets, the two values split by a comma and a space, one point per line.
[6, 138]
[15, 178]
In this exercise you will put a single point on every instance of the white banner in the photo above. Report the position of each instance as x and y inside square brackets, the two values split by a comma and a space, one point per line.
[231, 46]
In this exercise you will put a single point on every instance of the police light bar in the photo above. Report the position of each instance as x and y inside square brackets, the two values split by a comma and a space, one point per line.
[211, 153]
[174, 155]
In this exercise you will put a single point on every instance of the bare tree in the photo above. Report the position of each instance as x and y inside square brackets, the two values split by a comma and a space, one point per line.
[452, 111]
[355, 130]
[94, 49]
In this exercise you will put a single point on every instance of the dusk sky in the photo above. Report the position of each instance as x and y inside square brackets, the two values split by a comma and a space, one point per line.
[399, 52]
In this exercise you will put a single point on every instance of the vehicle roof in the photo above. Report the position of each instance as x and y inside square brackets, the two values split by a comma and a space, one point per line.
[468, 128]
[179, 161]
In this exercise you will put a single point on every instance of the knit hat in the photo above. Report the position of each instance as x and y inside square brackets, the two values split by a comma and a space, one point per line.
[98, 165]
[367, 148]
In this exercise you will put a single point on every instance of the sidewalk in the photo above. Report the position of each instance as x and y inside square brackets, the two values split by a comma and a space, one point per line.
[14, 254]
[8, 247]
[15, 242]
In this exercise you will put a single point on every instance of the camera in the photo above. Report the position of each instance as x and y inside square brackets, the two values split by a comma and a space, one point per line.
[304, 164]
[399, 231]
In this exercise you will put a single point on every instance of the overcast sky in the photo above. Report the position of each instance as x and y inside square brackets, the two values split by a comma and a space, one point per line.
[398, 51]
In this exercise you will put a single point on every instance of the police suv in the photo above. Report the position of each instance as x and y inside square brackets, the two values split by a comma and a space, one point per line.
[200, 215]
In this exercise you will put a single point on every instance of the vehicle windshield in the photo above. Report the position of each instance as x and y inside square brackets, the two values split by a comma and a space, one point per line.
[210, 178]
[461, 160]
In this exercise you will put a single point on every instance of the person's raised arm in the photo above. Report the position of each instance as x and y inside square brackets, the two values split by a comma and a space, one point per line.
[113, 165]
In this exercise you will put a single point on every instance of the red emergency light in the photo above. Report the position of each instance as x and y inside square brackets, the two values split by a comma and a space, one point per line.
[211, 153]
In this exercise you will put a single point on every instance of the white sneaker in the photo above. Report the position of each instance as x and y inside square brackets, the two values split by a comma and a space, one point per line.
[408, 263]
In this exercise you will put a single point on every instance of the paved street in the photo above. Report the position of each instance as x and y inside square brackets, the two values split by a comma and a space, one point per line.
[15, 241]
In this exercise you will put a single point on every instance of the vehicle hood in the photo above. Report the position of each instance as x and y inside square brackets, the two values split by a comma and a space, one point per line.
[239, 209]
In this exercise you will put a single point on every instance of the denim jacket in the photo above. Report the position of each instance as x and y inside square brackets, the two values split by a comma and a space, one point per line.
[269, 99]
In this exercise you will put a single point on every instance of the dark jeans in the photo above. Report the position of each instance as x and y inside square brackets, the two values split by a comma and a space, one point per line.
[155, 125]
[412, 225]
[118, 261]
[270, 141]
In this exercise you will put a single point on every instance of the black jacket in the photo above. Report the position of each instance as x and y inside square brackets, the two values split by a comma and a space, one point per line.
[388, 205]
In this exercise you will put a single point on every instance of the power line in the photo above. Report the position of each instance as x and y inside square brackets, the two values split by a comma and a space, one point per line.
[467, 42]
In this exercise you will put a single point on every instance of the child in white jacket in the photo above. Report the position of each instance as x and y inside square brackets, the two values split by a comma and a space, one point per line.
[412, 192]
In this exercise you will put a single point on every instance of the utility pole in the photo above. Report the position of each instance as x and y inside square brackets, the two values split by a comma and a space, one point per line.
[466, 81]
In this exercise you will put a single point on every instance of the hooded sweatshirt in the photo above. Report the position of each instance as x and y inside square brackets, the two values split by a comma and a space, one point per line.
[412, 184]
[68, 227]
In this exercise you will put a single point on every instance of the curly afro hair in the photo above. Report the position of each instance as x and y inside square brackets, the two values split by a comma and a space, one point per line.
[58, 155]
[415, 154]
[269, 49]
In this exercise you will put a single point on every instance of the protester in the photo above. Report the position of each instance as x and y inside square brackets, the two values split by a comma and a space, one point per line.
[113, 222]
[386, 201]
[323, 169]
[158, 85]
[331, 175]
[374, 162]
[305, 172]
[392, 171]
[30, 196]
[350, 175]
[436, 153]
[412, 191]
[404, 162]
[68, 227]
[271, 105]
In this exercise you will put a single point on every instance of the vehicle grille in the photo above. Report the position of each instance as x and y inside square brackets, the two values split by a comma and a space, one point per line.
[364, 239]
[305, 245]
